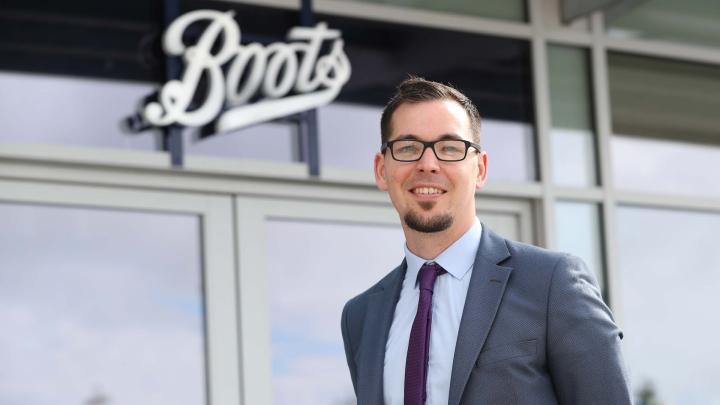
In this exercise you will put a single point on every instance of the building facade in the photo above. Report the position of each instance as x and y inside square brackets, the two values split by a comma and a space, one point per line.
[127, 276]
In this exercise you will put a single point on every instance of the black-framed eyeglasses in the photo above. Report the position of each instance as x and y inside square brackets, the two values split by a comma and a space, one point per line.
[446, 150]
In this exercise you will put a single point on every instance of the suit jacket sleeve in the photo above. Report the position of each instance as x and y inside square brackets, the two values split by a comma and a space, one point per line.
[349, 354]
[583, 342]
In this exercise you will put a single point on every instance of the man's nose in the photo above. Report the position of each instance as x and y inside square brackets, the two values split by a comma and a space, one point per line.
[428, 161]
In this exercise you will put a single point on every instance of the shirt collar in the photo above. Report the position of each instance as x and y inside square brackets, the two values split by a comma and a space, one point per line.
[457, 259]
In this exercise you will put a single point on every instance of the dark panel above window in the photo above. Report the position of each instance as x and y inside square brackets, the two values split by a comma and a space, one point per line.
[663, 98]
[122, 41]
[117, 40]
[494, 72]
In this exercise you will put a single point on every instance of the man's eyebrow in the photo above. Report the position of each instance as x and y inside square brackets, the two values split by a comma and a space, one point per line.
[406, 137]
[451, 137]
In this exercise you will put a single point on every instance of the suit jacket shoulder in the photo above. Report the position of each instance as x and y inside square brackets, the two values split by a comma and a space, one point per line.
[553, 300]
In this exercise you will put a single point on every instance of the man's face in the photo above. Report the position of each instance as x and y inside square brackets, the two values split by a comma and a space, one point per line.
[432, 195]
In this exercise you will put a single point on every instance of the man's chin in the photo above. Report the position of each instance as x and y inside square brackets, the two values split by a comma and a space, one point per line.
[429, 224]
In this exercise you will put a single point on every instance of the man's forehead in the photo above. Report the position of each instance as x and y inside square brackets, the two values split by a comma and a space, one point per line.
[436, 113]
[430, 123]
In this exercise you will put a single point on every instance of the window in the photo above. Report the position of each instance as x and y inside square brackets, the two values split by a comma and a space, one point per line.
[100, 306]
[670, 271]
[665, 124]
[573, 133]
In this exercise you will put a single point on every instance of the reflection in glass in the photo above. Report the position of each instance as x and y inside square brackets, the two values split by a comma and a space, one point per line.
[666, 124]
[669, 268]
[71, 111]
[688, 21]
[511, 150]
[313, 269]
[579, 233]
[513, 10]
[664, 98]
[668, 167]
[349, 135]
[99, 304]
[572, 134]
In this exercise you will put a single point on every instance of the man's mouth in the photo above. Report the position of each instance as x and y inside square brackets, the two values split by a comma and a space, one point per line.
[427, 191]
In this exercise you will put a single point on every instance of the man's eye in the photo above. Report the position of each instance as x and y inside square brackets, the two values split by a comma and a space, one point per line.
[407, 149]
[450, 149]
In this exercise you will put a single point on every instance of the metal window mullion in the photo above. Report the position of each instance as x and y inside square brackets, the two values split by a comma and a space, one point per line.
[664, 49]
[603, 130]
[665, 201]
[569, 38]
[591, 195]
[541, 91]
[455, 21]
[409, 15]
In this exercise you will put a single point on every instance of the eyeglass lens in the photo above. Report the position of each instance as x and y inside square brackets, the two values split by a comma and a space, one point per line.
[444, 150]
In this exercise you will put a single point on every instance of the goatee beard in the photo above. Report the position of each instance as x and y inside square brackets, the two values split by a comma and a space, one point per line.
[437, 223]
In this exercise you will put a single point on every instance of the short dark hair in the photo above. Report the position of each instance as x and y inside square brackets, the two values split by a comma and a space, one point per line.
[417, 90]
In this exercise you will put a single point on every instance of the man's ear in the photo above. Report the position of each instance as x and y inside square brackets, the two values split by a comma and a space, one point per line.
[379, 169]
[482, 162]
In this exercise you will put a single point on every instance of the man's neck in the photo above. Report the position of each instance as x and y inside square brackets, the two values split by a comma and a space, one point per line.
[429, 245]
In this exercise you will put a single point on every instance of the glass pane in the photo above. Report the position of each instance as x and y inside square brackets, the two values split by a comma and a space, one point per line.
[664, 98]
[308, 360]
[71, 111]
[506, 224]
[662, 166]
[511, 150]
[100, 307]
[579, 233]
[270, 141]
[666, 126]
[688, 21]
[572, 133]
[349, 135]
[89, 112]
[506, 10]
[669, 266]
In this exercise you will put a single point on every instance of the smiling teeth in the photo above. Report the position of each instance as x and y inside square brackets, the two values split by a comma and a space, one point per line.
[427, 190]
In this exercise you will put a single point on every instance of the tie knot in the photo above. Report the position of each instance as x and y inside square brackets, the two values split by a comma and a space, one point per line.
[428, 274]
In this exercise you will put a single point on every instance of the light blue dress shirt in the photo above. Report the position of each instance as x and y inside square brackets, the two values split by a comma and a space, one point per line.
[447, 308]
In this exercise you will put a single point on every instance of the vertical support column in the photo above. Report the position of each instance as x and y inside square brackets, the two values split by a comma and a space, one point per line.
[310, 143]
[603, 121]
[541, 92]
[172, 134]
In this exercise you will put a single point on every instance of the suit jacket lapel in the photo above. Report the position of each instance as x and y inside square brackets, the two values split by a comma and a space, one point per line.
[378, 318]
[487, 285]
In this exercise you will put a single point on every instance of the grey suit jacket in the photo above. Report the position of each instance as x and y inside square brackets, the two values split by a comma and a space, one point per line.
[534, 330]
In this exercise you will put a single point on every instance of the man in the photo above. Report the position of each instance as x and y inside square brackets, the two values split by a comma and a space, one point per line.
[470, 317]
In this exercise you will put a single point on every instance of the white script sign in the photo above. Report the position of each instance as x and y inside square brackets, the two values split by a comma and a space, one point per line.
[316, 80]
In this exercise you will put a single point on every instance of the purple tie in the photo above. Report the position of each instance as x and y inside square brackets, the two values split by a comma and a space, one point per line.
[416, 364]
